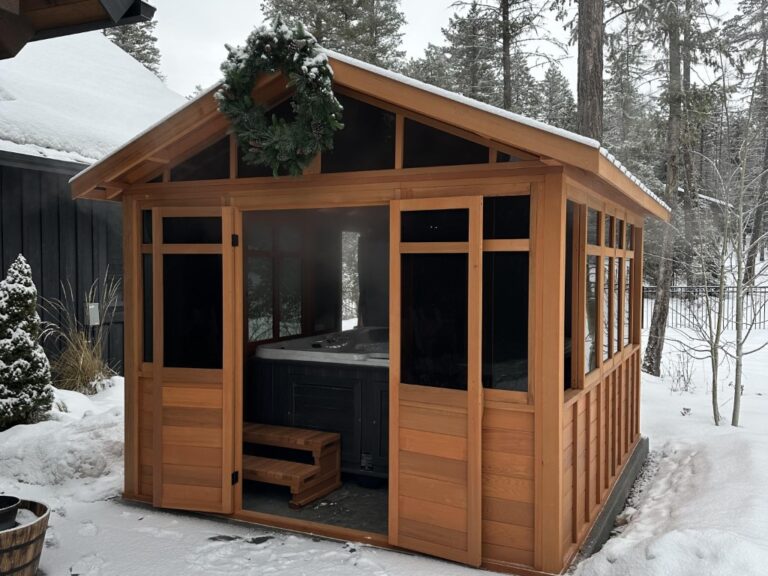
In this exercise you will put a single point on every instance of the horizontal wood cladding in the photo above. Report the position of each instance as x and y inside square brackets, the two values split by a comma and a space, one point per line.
[600, 429]
[146, 429]
[432, 494]
[508, 484]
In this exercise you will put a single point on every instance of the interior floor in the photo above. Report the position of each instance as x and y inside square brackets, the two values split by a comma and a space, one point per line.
[351, 506]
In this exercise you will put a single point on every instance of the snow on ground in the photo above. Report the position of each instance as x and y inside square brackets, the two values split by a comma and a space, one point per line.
[77, 98]
[703, 513]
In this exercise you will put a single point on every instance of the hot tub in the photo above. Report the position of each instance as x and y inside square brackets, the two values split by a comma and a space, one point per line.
[361, 346]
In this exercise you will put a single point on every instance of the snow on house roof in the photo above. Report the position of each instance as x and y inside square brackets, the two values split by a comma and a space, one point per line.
[77, 98]
[498, 112]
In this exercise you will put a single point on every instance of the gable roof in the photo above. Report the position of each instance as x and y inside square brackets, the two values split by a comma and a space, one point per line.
[489, 122]
[77, 98]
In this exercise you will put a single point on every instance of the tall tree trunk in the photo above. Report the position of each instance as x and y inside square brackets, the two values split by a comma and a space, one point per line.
[757, 221]
[689, 196]
[506, 48]
[590, 79]
[658, 328]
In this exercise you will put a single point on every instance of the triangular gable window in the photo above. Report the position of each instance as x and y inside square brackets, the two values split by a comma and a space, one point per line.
[212, 163]
[367, 141]
[426, 146]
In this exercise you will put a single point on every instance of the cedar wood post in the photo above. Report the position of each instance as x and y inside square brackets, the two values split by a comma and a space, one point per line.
[549, 303]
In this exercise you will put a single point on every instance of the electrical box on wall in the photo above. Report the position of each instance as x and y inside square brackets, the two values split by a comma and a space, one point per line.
[92, 313]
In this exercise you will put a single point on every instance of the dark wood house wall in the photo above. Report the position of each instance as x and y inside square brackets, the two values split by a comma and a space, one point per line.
[66, 242]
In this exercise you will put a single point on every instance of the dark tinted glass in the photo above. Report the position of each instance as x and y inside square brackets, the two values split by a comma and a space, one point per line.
[435, 226]
[593, 226]
[608, 231]
[210, 164]
[156, 180]
[426, 146]
[506, 217]
[434, 320]
[619, 225]
[192, 230]
[367, 141]
[571, 210]
[627, 301]
[630, 243]
[607, 275]
[146, 276]
[290, 296]
[505, 320]
[245, 170]
[192, 310]
[259, 298]
[590, 316]
[504, 157]
[619, 263]
[146, 226]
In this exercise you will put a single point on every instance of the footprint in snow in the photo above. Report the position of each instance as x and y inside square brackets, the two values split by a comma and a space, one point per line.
[88, 529]
[160, 532]
[91, 565]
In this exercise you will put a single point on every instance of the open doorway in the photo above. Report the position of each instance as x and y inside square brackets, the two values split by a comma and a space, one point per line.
[315, 386]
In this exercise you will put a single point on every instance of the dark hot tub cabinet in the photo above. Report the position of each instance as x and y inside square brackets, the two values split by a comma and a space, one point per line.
[486, 407]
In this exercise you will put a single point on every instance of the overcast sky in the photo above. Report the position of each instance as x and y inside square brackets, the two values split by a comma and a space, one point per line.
[191, 35]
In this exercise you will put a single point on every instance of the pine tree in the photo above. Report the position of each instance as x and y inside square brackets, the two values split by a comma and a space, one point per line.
[524, 97]
[470, 46]
[25, 375]
[139, 41]
[370, 30]
[432, 68]
[557, 106]
[377, 32]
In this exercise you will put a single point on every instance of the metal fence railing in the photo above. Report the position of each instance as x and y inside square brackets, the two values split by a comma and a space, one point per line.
[687, 306]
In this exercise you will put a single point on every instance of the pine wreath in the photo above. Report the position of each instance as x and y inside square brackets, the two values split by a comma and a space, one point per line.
[266, 140]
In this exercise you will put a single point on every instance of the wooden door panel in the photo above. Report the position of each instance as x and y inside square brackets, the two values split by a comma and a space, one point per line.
[435, 435]
[193, 456]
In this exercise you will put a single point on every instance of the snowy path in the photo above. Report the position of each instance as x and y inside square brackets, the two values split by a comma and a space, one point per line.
[704, 513]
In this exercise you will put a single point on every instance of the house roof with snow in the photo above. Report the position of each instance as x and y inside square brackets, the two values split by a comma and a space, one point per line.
[77, 98]
[142, 156]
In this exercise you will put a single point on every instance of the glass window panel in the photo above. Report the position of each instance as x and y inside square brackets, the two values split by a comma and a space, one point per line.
[290, 296]
[146, 277]
[426, 146]
[506, 217]
[502, 157]
[289, 238]
[505, 320]
[259, 298]
[210, 164]
[146, 226]
[619, 233]
[258, 234]
[590, 313]
[593, 227]
[192, 311]
[355, 147]
[607, 275]
[192, 230]
[435, 226]
[571, 211]
[616, 304]
[608, 231]
[627, 301]
[434, 320]
[630, 244]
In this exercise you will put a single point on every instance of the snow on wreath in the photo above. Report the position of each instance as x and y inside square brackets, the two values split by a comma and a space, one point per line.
[286, 147]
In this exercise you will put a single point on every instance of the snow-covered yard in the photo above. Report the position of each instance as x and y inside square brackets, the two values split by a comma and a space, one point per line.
[704, 512]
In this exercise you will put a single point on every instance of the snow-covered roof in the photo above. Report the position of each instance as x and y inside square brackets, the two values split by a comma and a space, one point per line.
[520, 119]
[77, 98]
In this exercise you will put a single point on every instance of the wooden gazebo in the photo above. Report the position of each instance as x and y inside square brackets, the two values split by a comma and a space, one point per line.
[502, 257]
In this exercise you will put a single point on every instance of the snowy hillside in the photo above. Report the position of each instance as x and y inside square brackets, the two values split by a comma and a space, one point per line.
[77, 98]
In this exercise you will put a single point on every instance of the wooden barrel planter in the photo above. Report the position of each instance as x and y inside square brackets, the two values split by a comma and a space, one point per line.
[21, 547]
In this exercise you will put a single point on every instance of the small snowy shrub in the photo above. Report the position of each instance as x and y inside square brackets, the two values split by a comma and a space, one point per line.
[25, 375]
[679, 373]
[79, 364]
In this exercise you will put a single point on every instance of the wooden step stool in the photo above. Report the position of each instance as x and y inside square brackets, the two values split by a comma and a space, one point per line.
[307, 482]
